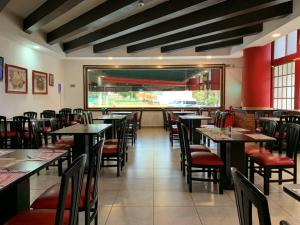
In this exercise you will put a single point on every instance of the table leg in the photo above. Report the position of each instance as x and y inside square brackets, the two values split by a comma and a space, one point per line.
[14, 200]
[196, 135]
[232, 154]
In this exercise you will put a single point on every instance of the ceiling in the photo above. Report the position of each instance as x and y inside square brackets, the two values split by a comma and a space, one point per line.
[166, 27]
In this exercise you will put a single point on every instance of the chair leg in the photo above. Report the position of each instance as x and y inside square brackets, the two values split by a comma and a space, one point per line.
[118, 166]
[183, 165]
[295, 175]
[280, 176]
[266, 181]
[189, 177]
[60, 167]
[221, 180]
[215, 176]
[251, 171]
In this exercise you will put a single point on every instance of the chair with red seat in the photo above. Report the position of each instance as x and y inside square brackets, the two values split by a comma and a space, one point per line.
[89, 195]
[5, 135]
[173, 129]
[72, 179]
[202, 161]
[270, 163]
[193, 148]
[132, 128]
[22, 126]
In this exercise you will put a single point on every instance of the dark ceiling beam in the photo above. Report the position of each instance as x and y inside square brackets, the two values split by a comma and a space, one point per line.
[46, 13]
[211, 38]
[257, 17]
[3, 3]
[218, 12]
[221, 44]
[156, 14]
[89, 19]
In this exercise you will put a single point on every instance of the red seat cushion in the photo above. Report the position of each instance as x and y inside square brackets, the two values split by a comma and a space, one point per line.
[277, 134]
[272, 160]
[110, 149]
[46, 129]
[206, 159]
[49, 199]
[9, 134]
[111, 142]
[37, 217]
[199, 148]
[73, 122]
[175, 129]
[253, 149]
[65, 142]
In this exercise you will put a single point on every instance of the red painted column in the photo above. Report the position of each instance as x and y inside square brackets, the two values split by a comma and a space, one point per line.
[256, 85]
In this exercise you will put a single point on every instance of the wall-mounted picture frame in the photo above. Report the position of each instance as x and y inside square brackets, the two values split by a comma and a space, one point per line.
[51, 80]
[1, 68]
[16, 79]
[39, 83]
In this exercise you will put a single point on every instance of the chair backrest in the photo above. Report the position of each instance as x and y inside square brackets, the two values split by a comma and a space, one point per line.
[90, 117]
[246, 195]
[141, 115]
[91, 191]
[3, 132]
[278, 113]
[292, 139]
[36, 135]
[290, 119]
[30, 114]
[181, 138]
[186, 142]
[78, 111]
[48, 114]
[65, 111]
[270, 130]
[72, 179]
[20, 124]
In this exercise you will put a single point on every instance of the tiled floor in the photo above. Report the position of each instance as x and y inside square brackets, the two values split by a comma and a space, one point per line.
[151, 190]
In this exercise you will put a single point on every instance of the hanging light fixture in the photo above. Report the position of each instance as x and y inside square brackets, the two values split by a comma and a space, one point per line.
[140, 3]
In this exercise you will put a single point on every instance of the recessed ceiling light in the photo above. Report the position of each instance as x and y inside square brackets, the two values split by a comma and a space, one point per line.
[276, 35]
[208, 57]
[110, 58]
[141, 3]
[160, 57]
[36, 47]
[158, 66]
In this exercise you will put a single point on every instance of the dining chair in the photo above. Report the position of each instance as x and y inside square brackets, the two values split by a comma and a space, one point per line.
[173, 129]
[204, 162]
[6, 136]
[139, 122]
[115, 152]
[259, 124]
[89, 195]
[30, 114]
[246, 196]
[22, 126]
[132, 128]
[48, 114]
[193, 148]
[71, 182]
[271, 163]
[78, 110]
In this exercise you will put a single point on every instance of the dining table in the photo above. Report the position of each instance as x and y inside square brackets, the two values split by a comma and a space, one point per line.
[193, 121]
[16, 168]
[292, 190]
[180, 113]
[231, 147]
[115, 120]
[83, 136]
[121, 113]
[266, 119]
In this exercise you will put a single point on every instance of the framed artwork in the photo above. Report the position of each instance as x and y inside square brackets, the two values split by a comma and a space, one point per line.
[15, 79]
[1, 68]
[51, 79]
[39, 83]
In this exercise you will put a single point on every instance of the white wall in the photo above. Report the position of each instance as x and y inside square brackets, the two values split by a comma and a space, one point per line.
[24, 56]
[73, 74]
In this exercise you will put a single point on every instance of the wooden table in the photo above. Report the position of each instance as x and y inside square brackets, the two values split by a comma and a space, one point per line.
[231, 147]
[121, 113]
[15, 196]
[83, 136]
[293, 190]
[192, 122]
[180, 113]
[113, 119]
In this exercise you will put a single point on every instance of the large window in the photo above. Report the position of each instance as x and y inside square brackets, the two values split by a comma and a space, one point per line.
[284, 86]
[153, 87]
[285, 45]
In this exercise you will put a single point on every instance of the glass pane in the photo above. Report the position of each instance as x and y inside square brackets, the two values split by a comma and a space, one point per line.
[279, 104]
[280, 47]
[284, 71]
[275, 93]
[279, 92]
[289, 92]
[275, 104]
[293, 104]
[293, 92]
[293, 67]
[284, 81]
[289, 80]
[289, 104]
[276, 71]
[280, 81]
[290, 68]
[293, 79]
[292, 43]
[283, 103]
[284, 92]
[276, 82]
[279, 70]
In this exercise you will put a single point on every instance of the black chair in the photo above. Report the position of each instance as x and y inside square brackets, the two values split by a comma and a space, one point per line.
[270, 163]
[165, 119]
[132, 128]
[89, 194]
[173, 129]
[72, 179]
[78, 111]
[30, 114]
[139, 122]
[246, 195]
[65, 111]
[48, 114]
[202, 161]
[7, 137]
[259, 124]
[22, 126]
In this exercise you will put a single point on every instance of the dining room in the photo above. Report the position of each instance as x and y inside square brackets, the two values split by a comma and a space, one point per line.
[149, 112]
